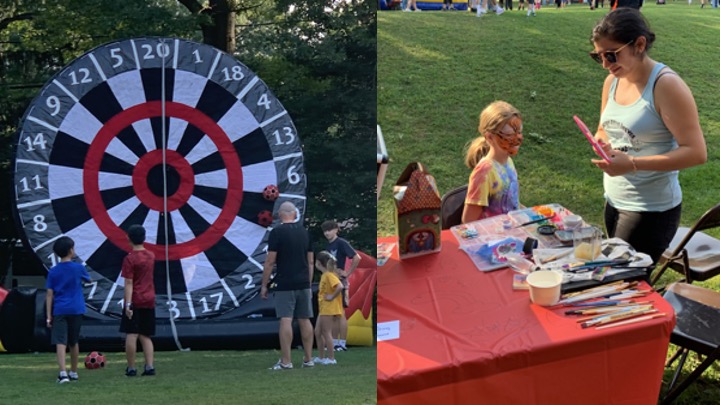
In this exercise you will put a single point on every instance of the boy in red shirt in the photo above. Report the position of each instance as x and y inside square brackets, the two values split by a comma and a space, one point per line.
[138, 319]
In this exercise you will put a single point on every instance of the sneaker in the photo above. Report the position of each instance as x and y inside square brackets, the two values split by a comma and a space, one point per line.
[309, 363]
[149, 371]
[406, 10]
[339, 348]
[280, 366]
[330, 362]
[499, 10]
[317, 360]
[481, 11]
[73, 376]
[130, 372]
[62, 379]
[417, 9]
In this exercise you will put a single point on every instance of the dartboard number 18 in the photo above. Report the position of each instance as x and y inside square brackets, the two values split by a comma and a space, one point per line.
[171, 134]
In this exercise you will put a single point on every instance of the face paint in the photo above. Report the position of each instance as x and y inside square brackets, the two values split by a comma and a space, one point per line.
[509, 142]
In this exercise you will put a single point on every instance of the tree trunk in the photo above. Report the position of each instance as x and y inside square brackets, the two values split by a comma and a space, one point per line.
[221, 34]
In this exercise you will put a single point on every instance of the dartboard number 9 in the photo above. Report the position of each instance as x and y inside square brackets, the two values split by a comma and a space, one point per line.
[171, 134]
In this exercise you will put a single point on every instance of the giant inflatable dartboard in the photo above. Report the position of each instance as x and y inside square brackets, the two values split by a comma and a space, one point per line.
[168, 133]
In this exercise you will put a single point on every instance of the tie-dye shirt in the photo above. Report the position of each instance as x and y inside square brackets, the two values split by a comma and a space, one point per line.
[493, 186]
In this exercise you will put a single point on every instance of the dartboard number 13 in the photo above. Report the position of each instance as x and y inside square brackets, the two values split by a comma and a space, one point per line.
[171, 134]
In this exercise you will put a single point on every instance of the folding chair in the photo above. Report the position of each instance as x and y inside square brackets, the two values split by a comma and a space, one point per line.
[697, 310]
[451, 207]
[693, 253]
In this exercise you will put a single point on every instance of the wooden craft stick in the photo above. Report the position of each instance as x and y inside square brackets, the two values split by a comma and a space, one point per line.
[556, 256]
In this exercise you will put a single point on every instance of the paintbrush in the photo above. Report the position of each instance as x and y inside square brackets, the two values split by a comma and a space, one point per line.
[618, 317]
[535, 221]
[629, 321]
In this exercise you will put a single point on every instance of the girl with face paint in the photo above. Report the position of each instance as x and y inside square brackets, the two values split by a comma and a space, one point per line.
[493, 186]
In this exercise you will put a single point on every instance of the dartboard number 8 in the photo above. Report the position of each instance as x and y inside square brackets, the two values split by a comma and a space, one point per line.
[171, 134]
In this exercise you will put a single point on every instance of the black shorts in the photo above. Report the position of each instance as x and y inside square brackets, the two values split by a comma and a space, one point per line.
[142, 322]
[345, 292]
[65, 330]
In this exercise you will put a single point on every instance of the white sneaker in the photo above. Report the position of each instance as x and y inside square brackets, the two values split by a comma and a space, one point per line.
[499, 10]
[406, 10]
[481, 11]
[280, 366]
[417, 9]
[330, 362]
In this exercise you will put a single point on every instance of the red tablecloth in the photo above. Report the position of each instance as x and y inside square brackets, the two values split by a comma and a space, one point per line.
[466, 337]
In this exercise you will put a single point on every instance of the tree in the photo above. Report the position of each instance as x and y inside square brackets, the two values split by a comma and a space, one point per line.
[318, 56]
[324, 71]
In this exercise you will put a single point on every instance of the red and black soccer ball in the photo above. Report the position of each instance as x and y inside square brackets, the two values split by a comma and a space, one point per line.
[265, 218]
[271, 192]
[94, 360]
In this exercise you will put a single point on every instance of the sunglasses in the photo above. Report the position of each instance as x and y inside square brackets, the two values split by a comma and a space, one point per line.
[610, 56]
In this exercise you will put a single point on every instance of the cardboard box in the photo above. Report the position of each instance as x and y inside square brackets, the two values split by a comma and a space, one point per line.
[417, 212]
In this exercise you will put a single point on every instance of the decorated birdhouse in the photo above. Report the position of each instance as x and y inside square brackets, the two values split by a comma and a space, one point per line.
[417, 212]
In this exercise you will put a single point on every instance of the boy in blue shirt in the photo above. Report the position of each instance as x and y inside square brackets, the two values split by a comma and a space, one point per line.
[341, 250]
[65, 305]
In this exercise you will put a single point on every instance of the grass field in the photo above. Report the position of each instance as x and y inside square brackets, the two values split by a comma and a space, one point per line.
[202, 377]
[438, 70]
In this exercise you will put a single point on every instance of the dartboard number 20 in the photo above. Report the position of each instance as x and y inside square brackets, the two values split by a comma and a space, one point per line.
[171, 134]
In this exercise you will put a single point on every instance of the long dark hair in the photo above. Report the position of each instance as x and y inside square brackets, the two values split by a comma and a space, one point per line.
[623, 25]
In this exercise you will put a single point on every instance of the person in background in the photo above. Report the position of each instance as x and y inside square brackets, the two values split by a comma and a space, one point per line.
[341, 250]
[493, 185]
[650, 128]
[65, 306]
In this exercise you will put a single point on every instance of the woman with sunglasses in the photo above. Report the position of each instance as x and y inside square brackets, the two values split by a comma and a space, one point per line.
[649, 127]
[493, 186]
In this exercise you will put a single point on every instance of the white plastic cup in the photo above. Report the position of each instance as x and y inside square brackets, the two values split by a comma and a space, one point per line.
[544, 287]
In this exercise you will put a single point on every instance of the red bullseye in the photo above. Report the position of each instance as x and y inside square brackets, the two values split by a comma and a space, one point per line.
[233, 197]
[152, 200]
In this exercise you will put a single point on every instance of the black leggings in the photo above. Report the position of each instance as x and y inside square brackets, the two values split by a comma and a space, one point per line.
[647, 232]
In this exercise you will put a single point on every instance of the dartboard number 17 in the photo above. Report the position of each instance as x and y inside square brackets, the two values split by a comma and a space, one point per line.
[171, 134]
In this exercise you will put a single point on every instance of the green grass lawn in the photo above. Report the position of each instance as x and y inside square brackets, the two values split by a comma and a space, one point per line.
[438, 70]
[196, 377]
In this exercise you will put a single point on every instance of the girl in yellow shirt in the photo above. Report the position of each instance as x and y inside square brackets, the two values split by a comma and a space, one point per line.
[330, 307]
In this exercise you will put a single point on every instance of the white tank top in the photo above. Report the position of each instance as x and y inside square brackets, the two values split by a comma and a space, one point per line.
[638, 130]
